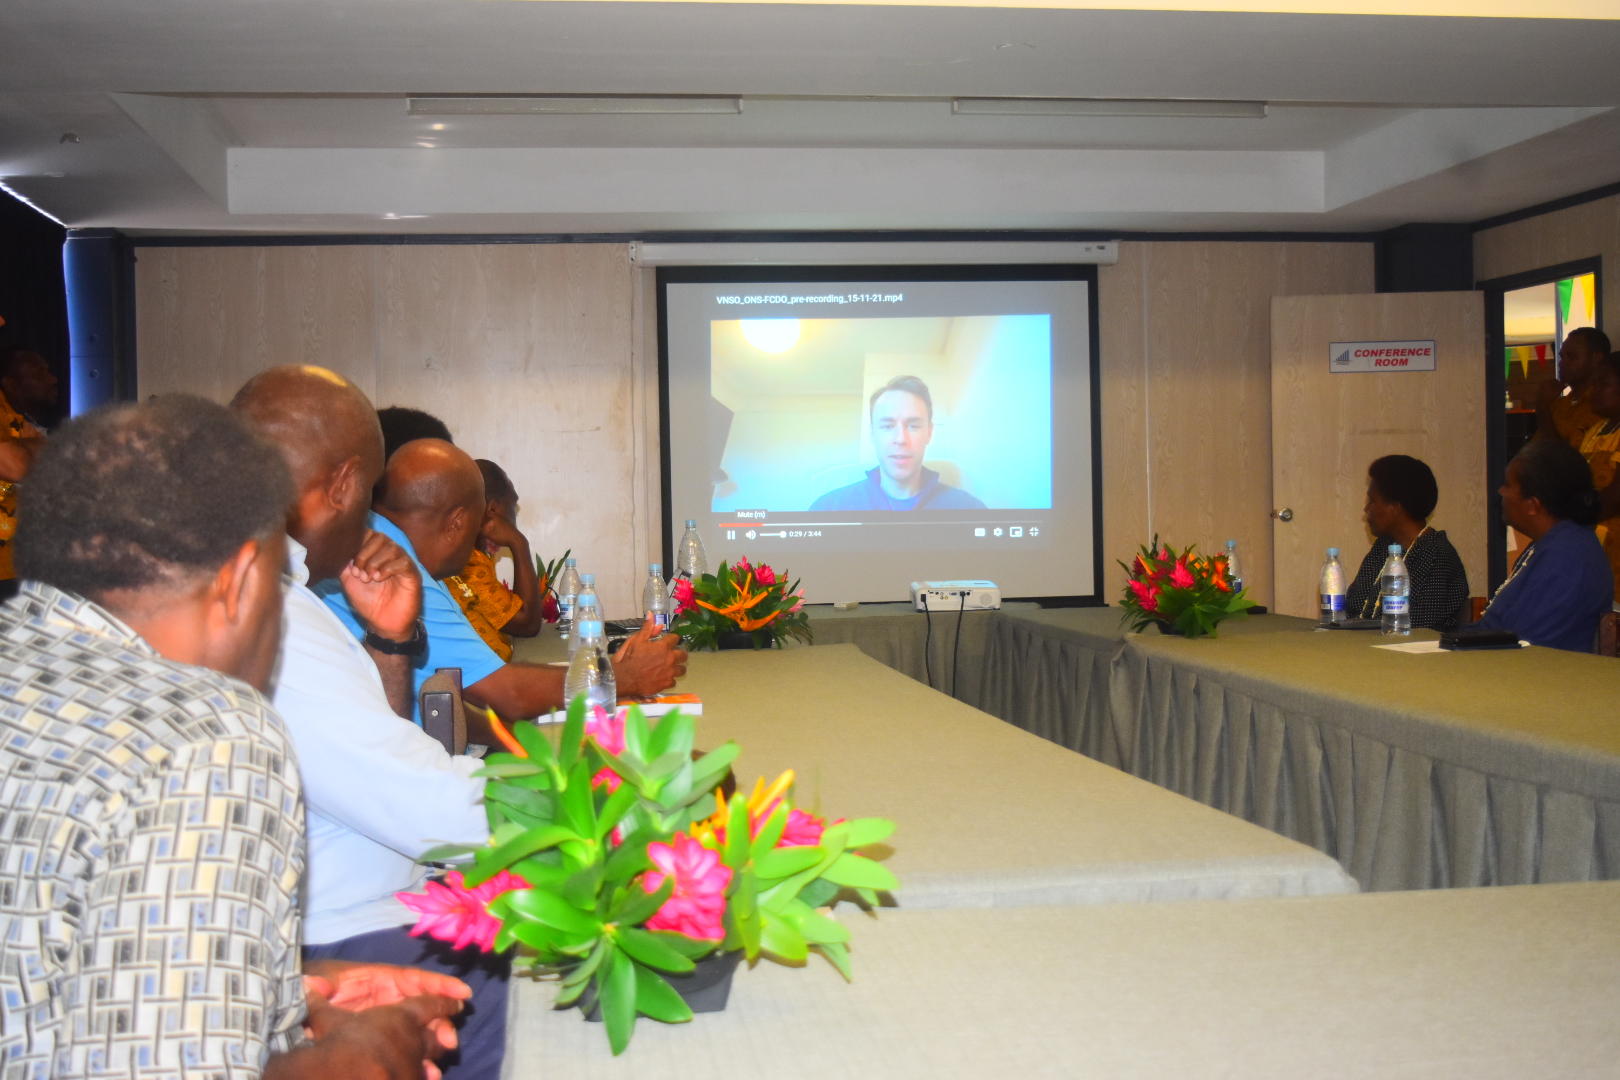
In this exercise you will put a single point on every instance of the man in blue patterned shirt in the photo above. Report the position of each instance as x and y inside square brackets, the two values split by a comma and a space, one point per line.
[151, 820]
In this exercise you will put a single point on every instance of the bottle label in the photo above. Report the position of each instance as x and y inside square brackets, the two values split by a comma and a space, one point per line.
[661, 619]
[565, 609]
[1395, 605]
[1333, 601]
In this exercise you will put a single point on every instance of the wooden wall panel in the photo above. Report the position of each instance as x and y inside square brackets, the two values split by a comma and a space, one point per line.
[1207, 379]
[1126, 518]
[523, 350]
[1580, 232]
[543, 357]
[207, 318]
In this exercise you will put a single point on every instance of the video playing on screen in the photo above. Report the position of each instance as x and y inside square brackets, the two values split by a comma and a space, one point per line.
[869, 431]
[947, 413]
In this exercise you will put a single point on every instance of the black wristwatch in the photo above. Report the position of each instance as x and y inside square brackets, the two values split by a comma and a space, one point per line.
[415, 646]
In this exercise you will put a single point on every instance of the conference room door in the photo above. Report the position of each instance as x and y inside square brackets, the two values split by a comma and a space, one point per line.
[1354, 378]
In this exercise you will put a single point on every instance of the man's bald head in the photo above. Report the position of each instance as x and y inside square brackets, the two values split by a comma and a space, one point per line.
[435, 493]
[317, 417]
[327, 431]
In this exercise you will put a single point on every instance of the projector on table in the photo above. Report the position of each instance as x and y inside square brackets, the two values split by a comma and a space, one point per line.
[949, 595]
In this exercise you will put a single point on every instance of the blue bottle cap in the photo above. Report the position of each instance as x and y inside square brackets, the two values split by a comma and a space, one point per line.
[691, 523]
[1333, 552]
[1231, 543]
[587, 579]
[1394, 549]
[571, 562]
[655, 568]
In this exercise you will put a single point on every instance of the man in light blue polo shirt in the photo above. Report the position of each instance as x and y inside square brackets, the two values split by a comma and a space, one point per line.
[432, 504]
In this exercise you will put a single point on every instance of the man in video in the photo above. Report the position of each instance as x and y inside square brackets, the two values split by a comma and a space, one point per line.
[902, 427]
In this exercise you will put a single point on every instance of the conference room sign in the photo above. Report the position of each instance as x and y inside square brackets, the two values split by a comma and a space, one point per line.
[1380, 356]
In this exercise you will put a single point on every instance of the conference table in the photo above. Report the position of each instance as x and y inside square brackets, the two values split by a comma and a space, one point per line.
[1472, 984]
[1019, 944]
[1413, 770]
[986, 814]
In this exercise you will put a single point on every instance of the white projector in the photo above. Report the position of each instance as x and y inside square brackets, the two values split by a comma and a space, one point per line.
[955, 595]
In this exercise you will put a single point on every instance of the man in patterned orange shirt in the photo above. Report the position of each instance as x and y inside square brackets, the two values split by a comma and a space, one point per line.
[496, 612]
[28, 388]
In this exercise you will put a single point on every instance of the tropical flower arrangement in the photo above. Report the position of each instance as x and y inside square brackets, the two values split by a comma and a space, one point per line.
[604, 871]
[547, 573]
[1185, 593]
[742, 598]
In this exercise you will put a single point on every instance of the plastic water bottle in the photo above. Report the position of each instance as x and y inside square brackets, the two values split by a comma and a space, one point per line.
[567, 593]
[585, 607]
[1332, 589]
[1233, 569]
[655, 596]
[690, 560]
[1395, 594]
[590, 672]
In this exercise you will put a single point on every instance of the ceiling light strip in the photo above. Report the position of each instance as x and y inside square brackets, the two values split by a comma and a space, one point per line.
[554, 105]
[1233, 110]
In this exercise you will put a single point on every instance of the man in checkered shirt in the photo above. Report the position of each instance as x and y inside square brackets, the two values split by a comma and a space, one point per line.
[151, 818]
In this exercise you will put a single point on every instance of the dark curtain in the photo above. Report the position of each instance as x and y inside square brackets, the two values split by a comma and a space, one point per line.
[33, 297]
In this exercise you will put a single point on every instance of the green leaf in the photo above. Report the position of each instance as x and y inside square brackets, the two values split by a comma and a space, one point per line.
[839, 955]
[658, 999]
[785, 862]
[629, 858]
[492, 861]
[691, 948]
[667, 766]
[613, 810]
[715, 762]
[538, 804]
[573, 734]
[816, 927]
[532, 739]
[582, 886]
[515, 768]
[578, 808]
[737, 840]
[782, 940]
[630, 771]
[549, 909]
[574, 982]
[745, 905]
[818, 893]
[646, 948]
[616, 990]
[672, 731]
[636, 733]
[770, 834]
[855, 872]
[863, 831]
[448, 853]
[638, 905]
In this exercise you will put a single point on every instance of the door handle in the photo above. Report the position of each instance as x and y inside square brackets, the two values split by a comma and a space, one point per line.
[1283, 515]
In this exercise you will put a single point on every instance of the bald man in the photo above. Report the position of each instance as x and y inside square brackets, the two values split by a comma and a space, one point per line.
[433, 503]
[380, 791]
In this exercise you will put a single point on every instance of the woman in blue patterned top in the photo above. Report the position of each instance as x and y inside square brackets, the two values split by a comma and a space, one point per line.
[1561, 585]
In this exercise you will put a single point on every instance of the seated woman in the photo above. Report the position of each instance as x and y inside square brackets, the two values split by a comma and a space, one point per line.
[1401, 494]
[1561, 585]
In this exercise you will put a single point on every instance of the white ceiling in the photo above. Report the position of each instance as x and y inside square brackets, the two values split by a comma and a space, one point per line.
[290, 116]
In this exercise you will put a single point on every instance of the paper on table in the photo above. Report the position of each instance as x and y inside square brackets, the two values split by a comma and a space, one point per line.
[1428, 647]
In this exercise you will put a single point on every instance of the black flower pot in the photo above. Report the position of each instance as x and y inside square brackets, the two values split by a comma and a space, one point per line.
[744, 639]
[706, 988]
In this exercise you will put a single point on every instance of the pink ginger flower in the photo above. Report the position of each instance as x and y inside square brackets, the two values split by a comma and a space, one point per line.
[800, 604]
[741, 566]
[684, 599]
[1147, 594]
[608, 731]
[765, 575]
[697, 907]
[803, 830]
[449, 911]
[1180, 576]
